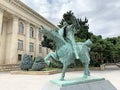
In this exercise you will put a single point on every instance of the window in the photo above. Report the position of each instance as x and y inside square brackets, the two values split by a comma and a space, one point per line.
[31, 47]
[19, 57]
[21, 28]
[40, 49]
[31, 56]
[31, 32]
[20, 44]
[40, 35]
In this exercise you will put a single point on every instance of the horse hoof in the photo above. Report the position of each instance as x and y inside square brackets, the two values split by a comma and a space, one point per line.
[47, 62]
[84, 77]
[61, 79]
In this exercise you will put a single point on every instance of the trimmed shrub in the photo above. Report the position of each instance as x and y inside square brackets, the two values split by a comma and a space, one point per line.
[26, 63]
[38, 64]
[55, 64]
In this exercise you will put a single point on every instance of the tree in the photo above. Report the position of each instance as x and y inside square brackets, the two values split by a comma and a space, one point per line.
[38, 64]
[82, 30]
[82, 26]
[26, 63]
[103, 50]
[48, 43]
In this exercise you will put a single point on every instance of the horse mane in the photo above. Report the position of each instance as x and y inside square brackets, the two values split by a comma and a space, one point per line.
[65, 32]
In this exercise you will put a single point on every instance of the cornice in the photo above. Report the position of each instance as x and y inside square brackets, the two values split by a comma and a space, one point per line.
[24, 7]
[1, 9]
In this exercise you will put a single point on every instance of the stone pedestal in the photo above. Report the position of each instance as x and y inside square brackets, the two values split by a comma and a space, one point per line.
[80, 84]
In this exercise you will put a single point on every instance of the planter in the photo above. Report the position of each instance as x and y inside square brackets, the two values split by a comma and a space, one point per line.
[118, 64]
[36, 72]
[50, 72]
[102, 66]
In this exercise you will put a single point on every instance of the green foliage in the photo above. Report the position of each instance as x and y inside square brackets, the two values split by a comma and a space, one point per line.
[56, 64]
[48, 43]
[67, 17]
[95, 63]
[49, 69]
[81, 26]
[78, 63]
[105, 50]
[26, 63]
[38, 64]
[102, 50]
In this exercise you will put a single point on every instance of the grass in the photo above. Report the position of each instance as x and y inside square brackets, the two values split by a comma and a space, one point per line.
[49, 69]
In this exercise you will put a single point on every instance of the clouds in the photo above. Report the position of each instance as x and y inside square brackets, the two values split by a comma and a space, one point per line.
[103, 15]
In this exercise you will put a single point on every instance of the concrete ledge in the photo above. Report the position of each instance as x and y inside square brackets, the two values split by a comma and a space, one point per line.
[36, 72]
[50, 72]
[118, 64]
[9, 67]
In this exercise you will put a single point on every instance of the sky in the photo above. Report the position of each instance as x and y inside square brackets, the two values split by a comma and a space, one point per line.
[103, 15]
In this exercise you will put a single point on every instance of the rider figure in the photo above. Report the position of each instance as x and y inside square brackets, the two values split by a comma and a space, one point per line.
[68, 34]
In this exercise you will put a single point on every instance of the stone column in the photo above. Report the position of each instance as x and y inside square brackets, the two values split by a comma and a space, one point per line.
[1, 23]
[27, 38]
[37, 42]
[14, 42]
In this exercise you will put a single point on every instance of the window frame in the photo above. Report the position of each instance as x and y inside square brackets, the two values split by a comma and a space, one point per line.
[31, 32]
[21, 28]
[20, 44]
[31, 47]
[19, 57]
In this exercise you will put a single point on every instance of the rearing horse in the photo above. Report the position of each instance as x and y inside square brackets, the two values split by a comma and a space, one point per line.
[64, 52]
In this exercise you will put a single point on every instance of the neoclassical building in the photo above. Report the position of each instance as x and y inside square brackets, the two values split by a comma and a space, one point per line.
[19, 31]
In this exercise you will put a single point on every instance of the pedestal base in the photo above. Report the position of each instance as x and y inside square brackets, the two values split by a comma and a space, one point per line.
[88, 84]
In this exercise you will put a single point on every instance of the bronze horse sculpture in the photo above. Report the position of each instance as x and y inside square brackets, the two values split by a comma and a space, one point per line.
[64, 52]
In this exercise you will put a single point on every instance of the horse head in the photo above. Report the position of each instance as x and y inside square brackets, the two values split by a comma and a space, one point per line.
[53, 35]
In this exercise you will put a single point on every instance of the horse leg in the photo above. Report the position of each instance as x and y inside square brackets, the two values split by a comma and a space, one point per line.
[63, 72]
[86, 71]
[50, 55]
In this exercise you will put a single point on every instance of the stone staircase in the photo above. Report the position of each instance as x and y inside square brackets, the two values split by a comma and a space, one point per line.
[9, 67]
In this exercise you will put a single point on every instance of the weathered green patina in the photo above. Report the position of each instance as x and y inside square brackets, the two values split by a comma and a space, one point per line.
[76, 80]
[67, 50]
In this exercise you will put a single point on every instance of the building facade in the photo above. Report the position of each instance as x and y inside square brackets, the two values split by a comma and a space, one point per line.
[20, 32]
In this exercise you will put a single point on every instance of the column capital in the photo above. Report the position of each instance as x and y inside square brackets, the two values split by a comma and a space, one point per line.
[1, 10]
[15, 17]
[37, 28]
[27, 23]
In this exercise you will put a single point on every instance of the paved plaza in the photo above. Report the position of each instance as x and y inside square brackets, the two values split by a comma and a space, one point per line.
[36, 82]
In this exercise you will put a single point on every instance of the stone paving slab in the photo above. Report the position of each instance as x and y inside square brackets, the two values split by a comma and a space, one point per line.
[37, 82]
